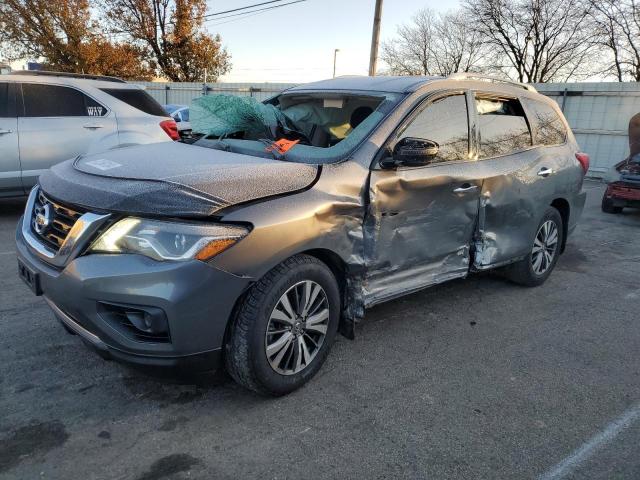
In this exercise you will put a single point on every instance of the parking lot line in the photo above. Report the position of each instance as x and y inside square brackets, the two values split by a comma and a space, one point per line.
[587, 450]
[7, 253]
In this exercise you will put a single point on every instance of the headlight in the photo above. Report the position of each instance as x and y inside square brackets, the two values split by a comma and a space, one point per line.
[167, 240]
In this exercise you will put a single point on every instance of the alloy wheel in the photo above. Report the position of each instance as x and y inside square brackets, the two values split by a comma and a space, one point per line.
[544, 247]
[297, 328]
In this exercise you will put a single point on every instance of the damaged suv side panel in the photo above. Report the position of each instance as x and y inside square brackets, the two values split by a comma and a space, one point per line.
[411, 227]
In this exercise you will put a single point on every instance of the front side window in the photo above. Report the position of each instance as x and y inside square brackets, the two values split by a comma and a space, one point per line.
[41, 100]
[548, 126]
[444, 122]
[503, 127]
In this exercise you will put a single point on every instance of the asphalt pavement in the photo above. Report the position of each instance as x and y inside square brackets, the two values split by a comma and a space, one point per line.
[474, 379]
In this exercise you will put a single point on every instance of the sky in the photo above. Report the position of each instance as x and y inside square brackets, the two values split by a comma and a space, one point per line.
[295, 43]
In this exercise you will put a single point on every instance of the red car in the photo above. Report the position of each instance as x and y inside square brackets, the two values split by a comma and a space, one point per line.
[624, 188]
[624, 192]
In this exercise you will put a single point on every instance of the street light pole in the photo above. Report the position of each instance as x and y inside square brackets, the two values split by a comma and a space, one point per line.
[335, 55]
[375, 39]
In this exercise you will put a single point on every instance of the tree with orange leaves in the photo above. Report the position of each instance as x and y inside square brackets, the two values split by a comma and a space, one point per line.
[173, 32]
[62, 34]
[140, 39]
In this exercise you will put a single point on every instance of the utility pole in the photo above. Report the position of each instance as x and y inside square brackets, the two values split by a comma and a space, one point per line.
[375, 39]
[335, 55]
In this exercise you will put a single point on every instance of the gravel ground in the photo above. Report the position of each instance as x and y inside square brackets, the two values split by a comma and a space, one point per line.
[476, 378]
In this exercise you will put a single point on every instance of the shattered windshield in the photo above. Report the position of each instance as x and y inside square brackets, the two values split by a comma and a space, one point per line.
[306, 127]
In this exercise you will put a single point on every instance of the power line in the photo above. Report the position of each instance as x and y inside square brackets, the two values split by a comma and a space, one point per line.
[251, 13]
[241, 8]
[243, 14]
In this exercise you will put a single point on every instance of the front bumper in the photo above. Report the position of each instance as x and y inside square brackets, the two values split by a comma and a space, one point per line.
[196, 298]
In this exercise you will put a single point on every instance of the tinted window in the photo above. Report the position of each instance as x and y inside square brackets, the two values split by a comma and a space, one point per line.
[548, 126]
[503, 127]
[137, 99]
[185, 115]
[444, 122]
[42, 100]
[4, 99]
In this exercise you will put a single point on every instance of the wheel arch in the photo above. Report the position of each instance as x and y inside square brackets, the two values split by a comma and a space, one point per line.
[348, 284]
[563, 207]
[352, 303]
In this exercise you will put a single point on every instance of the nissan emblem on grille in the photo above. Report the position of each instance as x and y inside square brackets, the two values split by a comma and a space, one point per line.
[42, 218]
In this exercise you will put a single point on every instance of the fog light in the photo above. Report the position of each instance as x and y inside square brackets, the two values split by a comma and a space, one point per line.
[140, 322]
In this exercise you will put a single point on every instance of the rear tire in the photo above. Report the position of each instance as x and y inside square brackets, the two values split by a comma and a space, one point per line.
[284, 326]
[609, 207]
[536, 267]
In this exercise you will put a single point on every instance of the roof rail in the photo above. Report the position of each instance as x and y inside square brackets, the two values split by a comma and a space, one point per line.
[489, 78]
[45, 73]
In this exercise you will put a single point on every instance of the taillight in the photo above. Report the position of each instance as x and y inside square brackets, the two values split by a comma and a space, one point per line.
[171, 128]
[583, 158]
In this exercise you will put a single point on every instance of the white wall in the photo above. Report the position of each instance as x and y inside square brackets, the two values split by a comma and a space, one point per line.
[599, 115]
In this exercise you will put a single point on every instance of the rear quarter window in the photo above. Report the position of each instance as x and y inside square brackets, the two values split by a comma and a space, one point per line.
[548, 127]
[503, 127]
[138, 99]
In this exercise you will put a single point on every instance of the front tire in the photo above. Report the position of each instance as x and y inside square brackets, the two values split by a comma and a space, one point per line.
[284, 326]
[536, 267]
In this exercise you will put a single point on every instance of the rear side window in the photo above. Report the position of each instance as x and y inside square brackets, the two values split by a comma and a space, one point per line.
[444, 121]
[137, 99]
[503, 127]
[548, 127]
[41, 100]
[185, 115]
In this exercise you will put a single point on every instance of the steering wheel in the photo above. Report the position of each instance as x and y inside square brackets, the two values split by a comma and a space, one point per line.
[289, 134]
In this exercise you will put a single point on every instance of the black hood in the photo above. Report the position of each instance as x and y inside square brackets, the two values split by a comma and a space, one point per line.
[171, 179]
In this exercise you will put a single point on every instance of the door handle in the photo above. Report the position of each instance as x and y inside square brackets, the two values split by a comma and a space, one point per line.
[2, 132]
[466, 187]
[92, 126]
[545, 172]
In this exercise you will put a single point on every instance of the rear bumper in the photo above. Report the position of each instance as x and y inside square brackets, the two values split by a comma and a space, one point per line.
[623, 195]
[196, 299]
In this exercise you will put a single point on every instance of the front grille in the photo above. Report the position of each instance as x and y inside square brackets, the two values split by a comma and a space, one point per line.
[52, 221]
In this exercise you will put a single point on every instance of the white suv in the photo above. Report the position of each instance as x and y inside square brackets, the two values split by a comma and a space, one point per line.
[49, 117]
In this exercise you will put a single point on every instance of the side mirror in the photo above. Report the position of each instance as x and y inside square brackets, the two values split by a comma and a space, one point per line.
[415, 151]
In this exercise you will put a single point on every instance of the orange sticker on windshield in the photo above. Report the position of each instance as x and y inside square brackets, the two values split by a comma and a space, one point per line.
[281, 146]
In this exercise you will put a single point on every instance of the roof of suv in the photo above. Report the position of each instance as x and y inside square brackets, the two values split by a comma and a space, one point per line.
[403, 84]
[62, 78]
[390, 84]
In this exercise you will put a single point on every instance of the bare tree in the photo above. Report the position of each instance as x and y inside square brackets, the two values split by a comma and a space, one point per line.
[536, 40]
[434, 44]
[617, 27]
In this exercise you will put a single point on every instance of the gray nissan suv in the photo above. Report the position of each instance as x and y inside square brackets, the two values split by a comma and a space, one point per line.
[254, 248]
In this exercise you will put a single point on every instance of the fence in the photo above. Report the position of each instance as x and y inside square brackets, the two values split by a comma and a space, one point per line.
[598, 113]
[182, 93]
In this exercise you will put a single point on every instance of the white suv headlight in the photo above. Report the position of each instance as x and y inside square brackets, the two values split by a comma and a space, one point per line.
[167, 240]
